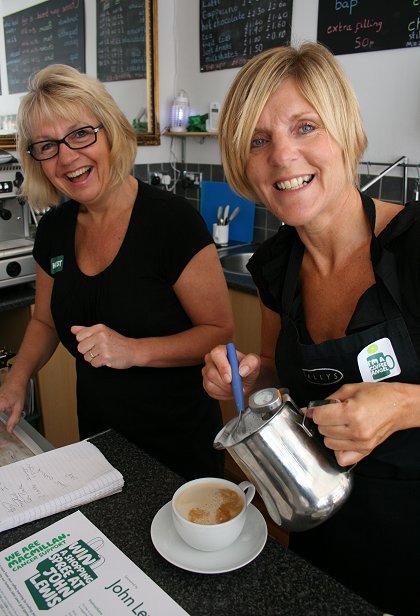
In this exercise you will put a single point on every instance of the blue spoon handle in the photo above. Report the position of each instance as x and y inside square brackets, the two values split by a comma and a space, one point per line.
[238, 392]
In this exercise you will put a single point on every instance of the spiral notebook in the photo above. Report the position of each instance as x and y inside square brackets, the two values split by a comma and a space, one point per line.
[54, 481]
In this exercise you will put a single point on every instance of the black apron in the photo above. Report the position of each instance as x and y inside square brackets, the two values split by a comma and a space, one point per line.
[372, 544]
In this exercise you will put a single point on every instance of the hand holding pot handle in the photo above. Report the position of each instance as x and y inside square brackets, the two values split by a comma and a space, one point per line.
[306, 412]
[312, 404]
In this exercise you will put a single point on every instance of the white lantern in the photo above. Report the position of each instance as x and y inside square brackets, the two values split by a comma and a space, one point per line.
[180, 112]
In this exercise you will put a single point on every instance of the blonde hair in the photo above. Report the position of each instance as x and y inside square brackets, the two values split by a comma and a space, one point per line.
[60, 91]
[321, 81]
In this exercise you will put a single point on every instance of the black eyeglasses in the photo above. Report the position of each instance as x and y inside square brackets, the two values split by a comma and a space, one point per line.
[76, 140]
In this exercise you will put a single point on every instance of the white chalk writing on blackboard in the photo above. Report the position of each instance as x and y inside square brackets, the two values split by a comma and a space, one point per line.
[233, 31]
[354, 26]
[51, 32]
[121, 40]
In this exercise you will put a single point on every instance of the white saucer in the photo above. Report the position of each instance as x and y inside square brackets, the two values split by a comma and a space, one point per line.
[170, 545]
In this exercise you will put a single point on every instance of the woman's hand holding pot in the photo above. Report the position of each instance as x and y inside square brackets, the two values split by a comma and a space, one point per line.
[368, 414]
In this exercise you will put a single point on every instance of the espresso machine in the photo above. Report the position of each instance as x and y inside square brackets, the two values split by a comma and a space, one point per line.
[17, 265]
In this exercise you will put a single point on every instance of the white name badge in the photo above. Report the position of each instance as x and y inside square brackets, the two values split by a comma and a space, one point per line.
[378, 361]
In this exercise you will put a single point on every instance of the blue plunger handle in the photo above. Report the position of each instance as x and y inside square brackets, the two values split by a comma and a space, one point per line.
[238, 392]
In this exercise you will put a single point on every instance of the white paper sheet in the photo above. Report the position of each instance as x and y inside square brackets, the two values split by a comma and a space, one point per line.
[72, 569]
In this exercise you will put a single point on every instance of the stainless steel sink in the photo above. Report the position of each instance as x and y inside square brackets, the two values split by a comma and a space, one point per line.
[236, 263]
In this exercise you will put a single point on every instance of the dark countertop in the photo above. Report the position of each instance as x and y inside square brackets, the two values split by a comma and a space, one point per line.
[17, 296]
[276, 583]
[241, 283]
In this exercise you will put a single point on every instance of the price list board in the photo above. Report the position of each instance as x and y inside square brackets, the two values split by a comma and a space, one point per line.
[121, 40]
[354, 26]
[233, 31]
[47, 33]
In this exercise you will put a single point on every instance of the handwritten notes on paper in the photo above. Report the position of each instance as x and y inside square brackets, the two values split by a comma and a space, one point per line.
[47, 33]
[55, 481]
[354, 26]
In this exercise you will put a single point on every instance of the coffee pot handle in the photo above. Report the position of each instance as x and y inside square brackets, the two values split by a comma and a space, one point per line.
[312, 404]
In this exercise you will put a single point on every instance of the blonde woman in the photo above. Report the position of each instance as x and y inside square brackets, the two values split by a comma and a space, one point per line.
[339, 287]
[128, 279]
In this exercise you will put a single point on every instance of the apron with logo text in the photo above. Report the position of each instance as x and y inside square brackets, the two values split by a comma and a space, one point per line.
[371, 543]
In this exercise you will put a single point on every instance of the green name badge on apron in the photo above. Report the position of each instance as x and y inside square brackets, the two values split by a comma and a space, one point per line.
[378, 361]
[56, 264]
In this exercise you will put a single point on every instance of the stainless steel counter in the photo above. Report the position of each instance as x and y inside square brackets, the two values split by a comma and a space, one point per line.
[29, 432]
[17, 296]
[237, 281]
[40, 440]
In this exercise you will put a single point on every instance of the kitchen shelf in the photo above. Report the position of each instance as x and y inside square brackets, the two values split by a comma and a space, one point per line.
[183, 135]
[168, 133]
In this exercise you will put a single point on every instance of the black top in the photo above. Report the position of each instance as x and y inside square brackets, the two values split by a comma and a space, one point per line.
[164, 410]
[372, 541]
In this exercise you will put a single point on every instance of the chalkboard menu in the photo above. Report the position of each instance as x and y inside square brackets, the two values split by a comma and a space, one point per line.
[354, 26]
[233, 31]
[121, 40]
[47, 33]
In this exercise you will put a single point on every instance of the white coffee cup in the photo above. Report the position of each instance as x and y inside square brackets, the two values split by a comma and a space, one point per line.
[217, 510]
[221, 234]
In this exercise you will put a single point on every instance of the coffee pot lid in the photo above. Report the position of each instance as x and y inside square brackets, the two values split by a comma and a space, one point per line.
[263, 406]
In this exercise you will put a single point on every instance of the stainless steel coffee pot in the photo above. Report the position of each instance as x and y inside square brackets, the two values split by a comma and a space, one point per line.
[280, 452]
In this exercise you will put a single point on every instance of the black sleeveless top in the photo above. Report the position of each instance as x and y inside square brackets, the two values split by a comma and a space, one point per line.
[372, 544]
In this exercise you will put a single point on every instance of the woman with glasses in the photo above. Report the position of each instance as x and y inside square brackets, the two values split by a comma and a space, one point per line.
[128, 279]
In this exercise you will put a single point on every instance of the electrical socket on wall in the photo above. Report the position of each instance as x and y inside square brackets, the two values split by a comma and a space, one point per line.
[156, 178]
[191, 178]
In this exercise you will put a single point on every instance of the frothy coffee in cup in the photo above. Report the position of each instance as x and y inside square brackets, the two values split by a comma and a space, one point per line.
[209, 503]
[209, 513]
